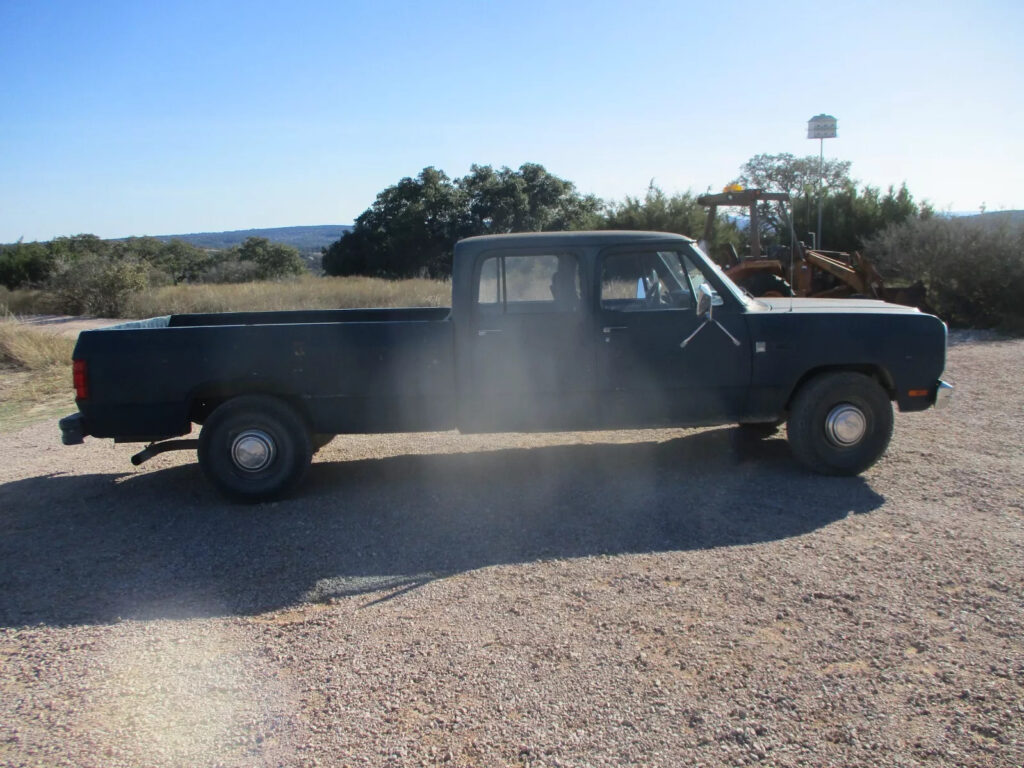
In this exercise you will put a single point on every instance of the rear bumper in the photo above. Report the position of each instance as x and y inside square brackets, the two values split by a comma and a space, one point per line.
[943, 395]
[73, 429]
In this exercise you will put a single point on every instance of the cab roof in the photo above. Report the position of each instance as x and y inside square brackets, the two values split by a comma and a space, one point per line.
[582, 238]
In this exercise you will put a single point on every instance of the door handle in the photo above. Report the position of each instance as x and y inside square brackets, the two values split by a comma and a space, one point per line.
[609, 328]
[487, 331]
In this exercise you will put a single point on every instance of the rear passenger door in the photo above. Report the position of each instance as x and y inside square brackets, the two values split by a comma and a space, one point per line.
[529, 359]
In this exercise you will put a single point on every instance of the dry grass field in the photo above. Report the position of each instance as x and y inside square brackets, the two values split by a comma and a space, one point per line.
[306, 292]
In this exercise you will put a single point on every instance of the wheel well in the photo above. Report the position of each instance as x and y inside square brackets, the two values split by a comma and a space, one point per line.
[205, 402]
[876, 372]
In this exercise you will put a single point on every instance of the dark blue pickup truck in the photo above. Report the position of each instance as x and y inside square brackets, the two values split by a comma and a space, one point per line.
[547, 331]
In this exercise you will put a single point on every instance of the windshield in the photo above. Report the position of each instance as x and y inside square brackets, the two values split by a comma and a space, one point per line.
[741, 296]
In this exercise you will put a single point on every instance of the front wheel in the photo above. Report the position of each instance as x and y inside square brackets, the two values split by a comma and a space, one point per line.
[840, 423]
[254, 448]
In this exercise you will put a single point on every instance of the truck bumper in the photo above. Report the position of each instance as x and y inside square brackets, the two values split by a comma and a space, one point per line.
[943, 395]
[73, 429]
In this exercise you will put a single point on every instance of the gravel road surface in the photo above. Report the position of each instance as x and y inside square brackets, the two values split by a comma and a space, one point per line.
[654, 598]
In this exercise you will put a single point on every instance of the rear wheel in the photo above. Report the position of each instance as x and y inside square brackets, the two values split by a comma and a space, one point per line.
[254, 448]
[840, 423]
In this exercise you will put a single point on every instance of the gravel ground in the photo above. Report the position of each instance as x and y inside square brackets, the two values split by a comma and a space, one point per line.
[656, 598]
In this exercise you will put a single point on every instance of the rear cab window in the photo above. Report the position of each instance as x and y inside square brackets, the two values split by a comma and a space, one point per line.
[529, 283]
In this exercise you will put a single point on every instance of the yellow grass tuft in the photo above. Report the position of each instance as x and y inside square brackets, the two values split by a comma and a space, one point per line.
[35, 373]
[26, 301]
[32, 349]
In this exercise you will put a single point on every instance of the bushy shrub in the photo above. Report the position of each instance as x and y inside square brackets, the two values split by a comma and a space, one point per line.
[230, 271]
[973, 268]
[93, 285]
[272, 260]
[25, 264]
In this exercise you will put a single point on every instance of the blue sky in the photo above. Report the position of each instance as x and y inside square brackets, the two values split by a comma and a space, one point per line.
[133, 118]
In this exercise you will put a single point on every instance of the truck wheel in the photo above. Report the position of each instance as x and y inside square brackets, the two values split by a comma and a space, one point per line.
[254, 448]
[840, 423]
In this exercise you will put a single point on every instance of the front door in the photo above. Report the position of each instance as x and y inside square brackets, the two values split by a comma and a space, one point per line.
[658, 362]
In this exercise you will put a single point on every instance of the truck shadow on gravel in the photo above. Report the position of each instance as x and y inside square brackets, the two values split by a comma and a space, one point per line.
[160, 544]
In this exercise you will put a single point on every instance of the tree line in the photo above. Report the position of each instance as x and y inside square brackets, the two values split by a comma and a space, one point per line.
[90, 275]
[411, 228]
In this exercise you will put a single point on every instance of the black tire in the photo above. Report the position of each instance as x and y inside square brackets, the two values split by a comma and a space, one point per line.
[263, 432]
[840, 423]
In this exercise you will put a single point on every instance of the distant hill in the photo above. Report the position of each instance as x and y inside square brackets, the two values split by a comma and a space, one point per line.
[1000, 217]
[309, 240]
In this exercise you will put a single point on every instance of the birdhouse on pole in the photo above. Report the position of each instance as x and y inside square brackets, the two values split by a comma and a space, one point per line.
[821, 127]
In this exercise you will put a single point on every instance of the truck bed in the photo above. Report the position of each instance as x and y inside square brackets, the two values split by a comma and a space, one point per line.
[350, 370]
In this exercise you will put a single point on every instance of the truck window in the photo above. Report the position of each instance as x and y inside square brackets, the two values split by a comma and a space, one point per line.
[641, 281]
[529, 283]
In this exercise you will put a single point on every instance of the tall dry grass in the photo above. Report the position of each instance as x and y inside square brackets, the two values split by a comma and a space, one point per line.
[35, 373]
[32, 349]
[307, 292]
[27, 302]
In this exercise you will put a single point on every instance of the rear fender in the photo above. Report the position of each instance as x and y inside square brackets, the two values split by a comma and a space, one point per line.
[205, 398]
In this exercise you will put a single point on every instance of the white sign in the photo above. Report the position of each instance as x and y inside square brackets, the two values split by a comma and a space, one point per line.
[821, 127]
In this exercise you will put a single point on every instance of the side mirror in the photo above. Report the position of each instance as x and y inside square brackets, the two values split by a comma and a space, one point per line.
[704, 303]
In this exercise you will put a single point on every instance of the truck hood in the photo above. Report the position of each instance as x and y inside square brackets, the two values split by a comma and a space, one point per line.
[835, 306]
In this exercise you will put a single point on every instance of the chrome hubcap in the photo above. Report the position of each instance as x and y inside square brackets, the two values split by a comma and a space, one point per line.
[845, 425]
[252, 450]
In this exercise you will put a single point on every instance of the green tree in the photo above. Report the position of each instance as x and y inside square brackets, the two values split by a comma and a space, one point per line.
[850, 214]
[98, 285]
[680, 213]
[798, 177]
[409, 230]
[526, 200]
[25, 264]
[72, 248]
[176, 260]
[272, 260]
[412, 226]
[851, 217]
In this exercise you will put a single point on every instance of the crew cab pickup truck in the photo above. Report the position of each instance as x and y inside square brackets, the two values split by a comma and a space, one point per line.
[547, 331]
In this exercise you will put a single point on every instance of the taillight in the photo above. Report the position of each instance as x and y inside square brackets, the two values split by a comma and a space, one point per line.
[80, 374]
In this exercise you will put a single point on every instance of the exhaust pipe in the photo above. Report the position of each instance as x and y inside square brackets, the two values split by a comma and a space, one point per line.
[155, 449]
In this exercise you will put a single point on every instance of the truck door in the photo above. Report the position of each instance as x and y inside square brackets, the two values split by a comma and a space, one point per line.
[525, 358]
[652, 368]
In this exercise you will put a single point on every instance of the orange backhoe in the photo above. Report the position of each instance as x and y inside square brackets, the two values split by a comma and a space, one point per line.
[796, 270]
